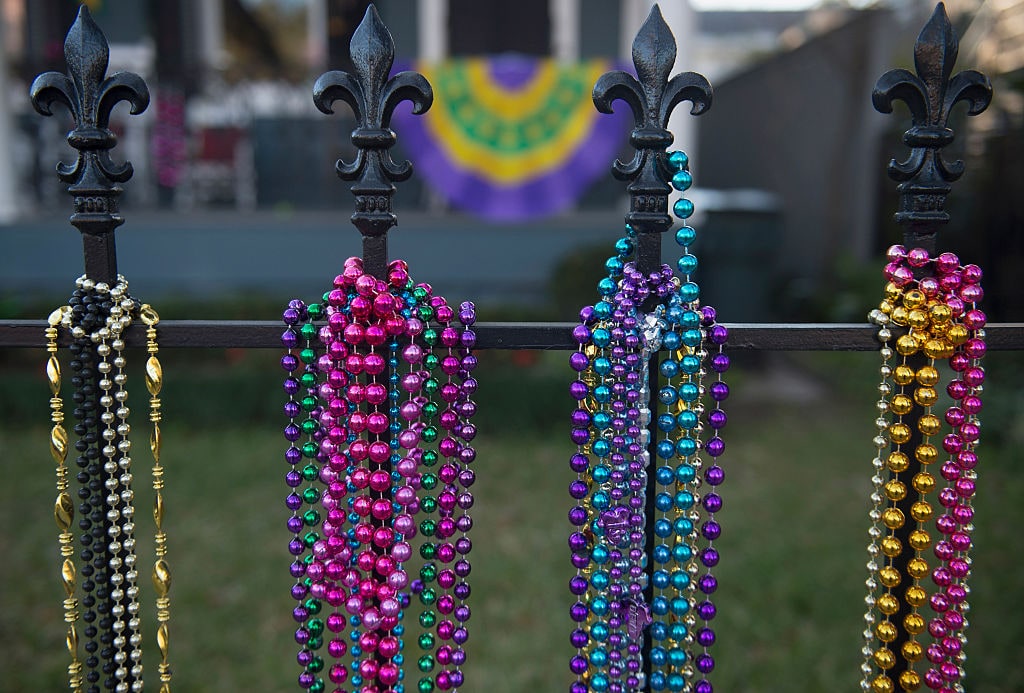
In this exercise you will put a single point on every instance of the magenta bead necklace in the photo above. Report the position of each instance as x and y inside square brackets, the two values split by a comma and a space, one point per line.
[919, 560]
[380, 433]
[644, 581]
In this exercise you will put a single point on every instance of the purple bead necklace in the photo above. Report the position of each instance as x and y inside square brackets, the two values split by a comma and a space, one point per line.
[633, 589]
[379, 431]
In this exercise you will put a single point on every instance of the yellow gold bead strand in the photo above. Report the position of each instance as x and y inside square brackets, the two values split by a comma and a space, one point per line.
[64, 508]
[161, 570]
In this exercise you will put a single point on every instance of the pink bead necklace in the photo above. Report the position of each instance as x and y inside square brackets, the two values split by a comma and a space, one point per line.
[382, 410]
[940, 322]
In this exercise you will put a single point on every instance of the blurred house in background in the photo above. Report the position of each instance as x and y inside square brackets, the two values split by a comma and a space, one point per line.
[789, 163]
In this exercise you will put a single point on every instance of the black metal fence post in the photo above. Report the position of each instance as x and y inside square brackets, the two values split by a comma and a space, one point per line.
[373, 98]
[112, 658]
[90, 96]
[924, 179]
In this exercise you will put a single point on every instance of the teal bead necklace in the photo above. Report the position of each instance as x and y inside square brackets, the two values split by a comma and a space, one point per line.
[643, 565]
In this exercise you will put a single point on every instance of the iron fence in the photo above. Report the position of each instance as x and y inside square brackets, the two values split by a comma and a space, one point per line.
[924, 178]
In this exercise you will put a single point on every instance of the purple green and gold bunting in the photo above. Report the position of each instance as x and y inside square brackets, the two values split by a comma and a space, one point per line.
[511, 138]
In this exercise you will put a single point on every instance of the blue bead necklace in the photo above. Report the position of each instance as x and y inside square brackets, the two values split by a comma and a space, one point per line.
[612, 426]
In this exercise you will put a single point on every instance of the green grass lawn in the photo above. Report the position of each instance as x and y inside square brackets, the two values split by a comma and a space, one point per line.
[793, 543]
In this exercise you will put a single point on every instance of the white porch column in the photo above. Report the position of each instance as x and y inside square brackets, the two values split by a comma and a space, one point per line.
[316, 36]
[433, 30]
[8, 195]
[211, 37]
[565, 30]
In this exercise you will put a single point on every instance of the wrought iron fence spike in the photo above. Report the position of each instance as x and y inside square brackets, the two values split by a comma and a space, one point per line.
[924, 177]
[651, 96]
[90, 96]
[373, 98]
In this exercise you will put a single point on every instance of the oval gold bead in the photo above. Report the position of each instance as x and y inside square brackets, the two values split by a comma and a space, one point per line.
[914, 298]
[893, 518]
[903, 374]
[899, 433]
[919, 540]
[154, 442]
[885, 631]
[915, 595]
[162, 578]
[929, 424]
[917, 319]
[163, 640]
[59, 444]
[927, 375]
[56, 316]
[888, 604]
[901, 404]
[889, 576]
[921, 511]
[910, 680]
[957, 334]
[154, 376]
[158, 510]
[924, 482]
[53, 374]
[892, 547]
[72, 640]
[925, 396]
[899, 315]
[912, 650]
[882, 684]
[897, 461]
[892, 292]
[64, 512]
[884, 658]
[68, 576]
[886, 307]
[895, 490]
[926, 453]
[917, 568]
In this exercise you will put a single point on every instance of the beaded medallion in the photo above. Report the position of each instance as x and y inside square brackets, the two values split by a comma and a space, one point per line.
[379, 405]
[643, 538]
[919, 560]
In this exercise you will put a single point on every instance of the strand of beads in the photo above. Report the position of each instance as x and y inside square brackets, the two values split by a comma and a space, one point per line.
[611, 429]
[161, 570]
[126, 655]
[376, 451]
[933, 310]
[97, 316]
[597, 550]
[64, 507]
[962, 291]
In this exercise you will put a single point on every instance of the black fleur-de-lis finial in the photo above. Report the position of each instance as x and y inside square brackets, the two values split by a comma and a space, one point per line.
[924, 176]
[90, 96]
[651, 96]
[373, 98]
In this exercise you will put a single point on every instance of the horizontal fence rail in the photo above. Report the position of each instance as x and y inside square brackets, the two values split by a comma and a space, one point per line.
[266, 334]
